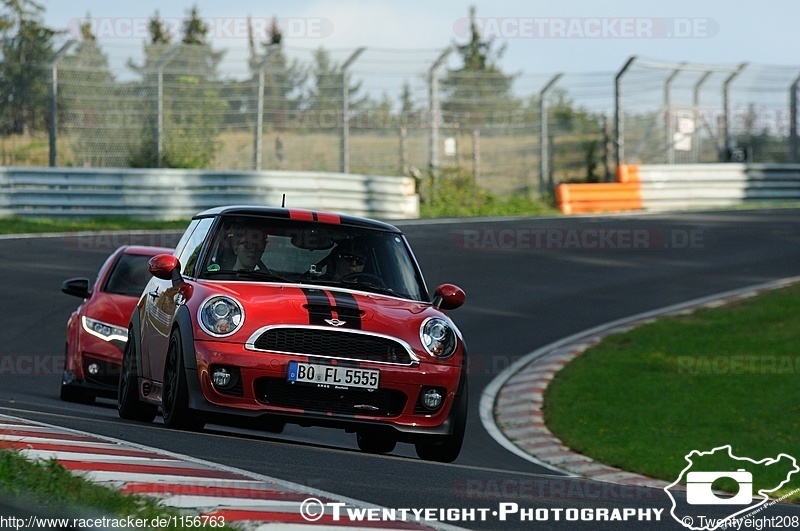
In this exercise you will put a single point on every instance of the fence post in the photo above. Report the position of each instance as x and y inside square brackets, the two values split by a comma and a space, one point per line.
[668, 121]
[433, 77]
[545, 173]
[159, 132]
[259, 119]
[793, 120]
[696, 107]
[726, 109]
[476, 155]
[403, 151]
[345, 140]
[619, 126]
[52, 123]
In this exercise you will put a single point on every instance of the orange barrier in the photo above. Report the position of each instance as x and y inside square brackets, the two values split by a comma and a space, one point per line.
[602, 197]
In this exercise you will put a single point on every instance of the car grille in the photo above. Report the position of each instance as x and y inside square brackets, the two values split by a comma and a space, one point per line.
[378, 403]
[333, 344]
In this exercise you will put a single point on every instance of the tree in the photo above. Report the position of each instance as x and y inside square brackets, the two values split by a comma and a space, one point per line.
[192, 108]
[478, 93]
[324, 97]
[90, 103]
[282, 78]
[26, 46]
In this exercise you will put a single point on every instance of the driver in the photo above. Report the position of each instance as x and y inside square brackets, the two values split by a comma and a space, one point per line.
[347, 258]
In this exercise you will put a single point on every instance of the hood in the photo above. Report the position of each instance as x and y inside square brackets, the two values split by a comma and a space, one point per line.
[293, 304]
[110, 308]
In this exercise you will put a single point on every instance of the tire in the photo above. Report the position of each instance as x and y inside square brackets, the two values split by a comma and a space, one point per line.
[128, 404]
[175, 391]
[76, 395]
[445, 449]
[375, 442]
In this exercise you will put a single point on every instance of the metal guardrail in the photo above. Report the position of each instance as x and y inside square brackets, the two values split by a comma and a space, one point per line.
[179, 194]
[682, 186]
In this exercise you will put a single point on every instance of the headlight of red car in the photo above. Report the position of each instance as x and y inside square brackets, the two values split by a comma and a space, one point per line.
[105, 331]
[221, 316]
[438, 337]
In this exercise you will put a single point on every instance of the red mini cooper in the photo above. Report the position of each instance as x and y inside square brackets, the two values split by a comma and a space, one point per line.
[97, 330]
[264, 316]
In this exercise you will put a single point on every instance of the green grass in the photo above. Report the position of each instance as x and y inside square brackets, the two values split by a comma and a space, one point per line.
[53, 487]
[18, 225]
[644, 399]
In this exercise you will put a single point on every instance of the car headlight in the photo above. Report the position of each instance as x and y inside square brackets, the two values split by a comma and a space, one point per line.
[438, 337]
[221, 316]
[105, 331]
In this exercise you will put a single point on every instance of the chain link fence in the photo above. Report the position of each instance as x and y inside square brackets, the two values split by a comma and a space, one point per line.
[115, 106]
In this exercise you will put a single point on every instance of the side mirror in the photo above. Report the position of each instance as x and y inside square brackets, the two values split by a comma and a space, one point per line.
[78, 287]
[449, 297]
[165, 267]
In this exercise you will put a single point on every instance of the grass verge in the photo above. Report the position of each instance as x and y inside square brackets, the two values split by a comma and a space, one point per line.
[644, 399]
[53, 487]
[17, 225]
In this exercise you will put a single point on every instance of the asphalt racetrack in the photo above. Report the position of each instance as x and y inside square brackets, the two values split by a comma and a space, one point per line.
[529, 282]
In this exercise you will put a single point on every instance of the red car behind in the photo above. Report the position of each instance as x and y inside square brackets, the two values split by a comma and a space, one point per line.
[264, 316]
[98, 329]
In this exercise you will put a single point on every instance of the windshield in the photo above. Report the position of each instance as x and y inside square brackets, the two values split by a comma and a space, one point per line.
[129, 276]
[270, 250]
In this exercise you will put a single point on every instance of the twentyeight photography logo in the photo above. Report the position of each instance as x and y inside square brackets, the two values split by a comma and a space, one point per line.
[725, 490]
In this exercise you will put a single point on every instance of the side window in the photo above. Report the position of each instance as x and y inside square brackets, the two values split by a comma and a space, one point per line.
[190, 253]
[185, 237]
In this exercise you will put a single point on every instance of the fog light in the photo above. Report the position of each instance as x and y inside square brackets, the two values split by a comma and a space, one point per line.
[221, 377]
[432, 399]
[93, 368]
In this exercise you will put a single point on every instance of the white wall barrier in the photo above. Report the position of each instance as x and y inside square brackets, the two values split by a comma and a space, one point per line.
[685, 186]
[179, 194]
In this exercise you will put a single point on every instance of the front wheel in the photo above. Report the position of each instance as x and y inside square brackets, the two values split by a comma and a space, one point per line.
[445, 448]
[128, 404]
[175, 394]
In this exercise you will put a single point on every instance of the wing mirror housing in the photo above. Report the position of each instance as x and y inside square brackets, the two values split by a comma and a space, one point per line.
[448, 297]
[78, 286]
[166, 267]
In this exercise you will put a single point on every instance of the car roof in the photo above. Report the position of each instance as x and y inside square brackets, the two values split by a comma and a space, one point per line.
[298, 214]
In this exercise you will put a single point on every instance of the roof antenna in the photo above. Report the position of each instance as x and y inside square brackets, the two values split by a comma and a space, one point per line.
[283, 201]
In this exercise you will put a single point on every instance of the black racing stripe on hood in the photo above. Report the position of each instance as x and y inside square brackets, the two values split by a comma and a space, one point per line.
[318, 300]
[350, 313]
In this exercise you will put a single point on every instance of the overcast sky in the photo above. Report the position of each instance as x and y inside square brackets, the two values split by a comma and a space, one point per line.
[568, 35]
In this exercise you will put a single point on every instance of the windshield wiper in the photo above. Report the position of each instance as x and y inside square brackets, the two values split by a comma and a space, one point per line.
[255, 275]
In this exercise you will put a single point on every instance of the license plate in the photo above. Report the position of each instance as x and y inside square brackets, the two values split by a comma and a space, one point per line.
[334, 376]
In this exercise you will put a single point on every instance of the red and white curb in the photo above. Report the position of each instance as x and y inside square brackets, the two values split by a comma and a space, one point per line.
[511, 406]
[252, 501]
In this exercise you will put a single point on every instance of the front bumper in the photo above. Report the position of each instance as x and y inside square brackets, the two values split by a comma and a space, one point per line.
[263, 394]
